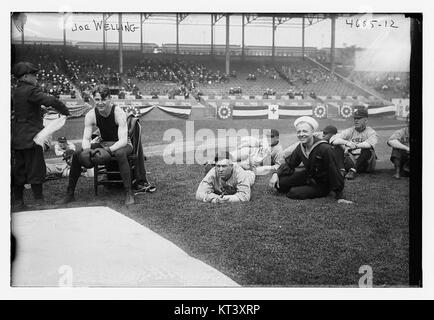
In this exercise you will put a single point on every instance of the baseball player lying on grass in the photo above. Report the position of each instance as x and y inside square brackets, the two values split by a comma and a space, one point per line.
[320, 174]
[226, 182]
[252, 153]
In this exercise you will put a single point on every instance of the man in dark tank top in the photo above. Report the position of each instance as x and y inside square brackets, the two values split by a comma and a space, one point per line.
[112, 124]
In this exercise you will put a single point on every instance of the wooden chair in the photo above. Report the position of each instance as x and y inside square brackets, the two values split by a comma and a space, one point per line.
[107, 174]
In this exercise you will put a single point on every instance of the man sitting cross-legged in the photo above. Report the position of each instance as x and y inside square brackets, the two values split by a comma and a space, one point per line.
[359, 142]
[320, 175]
[400, 157]
[112, 124]
[226, 182]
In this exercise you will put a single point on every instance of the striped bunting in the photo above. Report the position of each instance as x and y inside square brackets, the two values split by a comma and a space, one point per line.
[382, 110]
[250, 112]
[182, 111]
[292, 111]
[137, 110]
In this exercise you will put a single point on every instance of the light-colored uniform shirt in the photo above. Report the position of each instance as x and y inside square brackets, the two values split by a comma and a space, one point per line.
[256, 154]
[368, 136]
[212, 186]
[402, 135]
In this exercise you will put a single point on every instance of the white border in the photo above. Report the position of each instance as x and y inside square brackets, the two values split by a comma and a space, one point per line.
[427, 292]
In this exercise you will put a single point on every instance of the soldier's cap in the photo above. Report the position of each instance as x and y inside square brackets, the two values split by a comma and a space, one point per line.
[330, 129]
[360, 112]
[22, 68]
[62, 140]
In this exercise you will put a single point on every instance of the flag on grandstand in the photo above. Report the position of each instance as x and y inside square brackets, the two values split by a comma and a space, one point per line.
[273, 111]
[181, 111]
[382, 109]
[224, 111]
[250, 112]
[294, 111]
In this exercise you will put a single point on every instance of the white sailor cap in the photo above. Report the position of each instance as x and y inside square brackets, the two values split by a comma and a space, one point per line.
[311, 121]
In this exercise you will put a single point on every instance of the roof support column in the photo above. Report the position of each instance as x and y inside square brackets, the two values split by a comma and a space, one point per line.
[212, 34]
[242, 35]
[141, 33]
[103, 33]
[302, 38]
[121, 58]
[64, 29]
[227, 44]
[273, 38]
[177, 33]
[332, 46]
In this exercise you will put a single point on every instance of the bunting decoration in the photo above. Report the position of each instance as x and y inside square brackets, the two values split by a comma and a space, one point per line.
[224, 112]
[294, 111]
[320, 111]
[137, 111]
[250, 112]
[180, 111]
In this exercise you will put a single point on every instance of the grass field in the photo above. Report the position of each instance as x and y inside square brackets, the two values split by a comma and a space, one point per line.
[272, 240]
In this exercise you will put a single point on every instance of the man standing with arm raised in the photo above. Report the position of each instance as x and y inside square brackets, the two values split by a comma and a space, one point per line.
[27, 121]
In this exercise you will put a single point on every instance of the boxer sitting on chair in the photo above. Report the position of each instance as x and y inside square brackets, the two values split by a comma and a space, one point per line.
[112, 124]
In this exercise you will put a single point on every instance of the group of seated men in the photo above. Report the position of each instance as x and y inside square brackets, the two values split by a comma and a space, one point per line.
[316, 165]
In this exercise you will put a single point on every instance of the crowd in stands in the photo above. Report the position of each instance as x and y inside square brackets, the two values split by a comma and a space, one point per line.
[388, 83]
[236, 90]
[305, 73]
[268, 72]
[293, 93]
[186, 75]
[49, 61]
[87, 73]
[54, 82]
[63, 72]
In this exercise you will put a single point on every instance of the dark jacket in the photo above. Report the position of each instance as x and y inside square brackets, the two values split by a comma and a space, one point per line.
[135, 134]
[321, 166]
[28, 115]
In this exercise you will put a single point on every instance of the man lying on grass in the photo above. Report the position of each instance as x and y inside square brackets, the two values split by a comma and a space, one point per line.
[320, 174]
[226, 182]
[253, 153]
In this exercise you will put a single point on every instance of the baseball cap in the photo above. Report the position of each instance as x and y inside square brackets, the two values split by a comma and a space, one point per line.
[330, 129]
[22, 68]
[222, 155]
[274, 133]
[360, 112]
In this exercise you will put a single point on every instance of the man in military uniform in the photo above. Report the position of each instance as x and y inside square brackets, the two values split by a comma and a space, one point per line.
[28, 160]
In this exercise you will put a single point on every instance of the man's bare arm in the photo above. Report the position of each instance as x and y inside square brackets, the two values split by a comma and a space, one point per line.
[121, 120]
[89, 122]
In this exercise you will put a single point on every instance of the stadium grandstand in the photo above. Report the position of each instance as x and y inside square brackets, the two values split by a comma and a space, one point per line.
[136, 70]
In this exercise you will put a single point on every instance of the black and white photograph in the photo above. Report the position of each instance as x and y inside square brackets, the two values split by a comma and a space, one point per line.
[215, 149]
